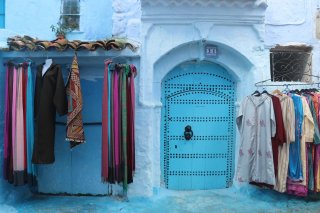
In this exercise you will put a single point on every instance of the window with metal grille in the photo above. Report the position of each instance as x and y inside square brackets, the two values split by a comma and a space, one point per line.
[70, 14]
[2, 13]
[291, 63]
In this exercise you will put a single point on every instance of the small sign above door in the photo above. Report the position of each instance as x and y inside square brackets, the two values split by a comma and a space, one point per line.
[211, 51]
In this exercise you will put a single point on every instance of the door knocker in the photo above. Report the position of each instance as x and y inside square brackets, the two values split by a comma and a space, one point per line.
[188, 133]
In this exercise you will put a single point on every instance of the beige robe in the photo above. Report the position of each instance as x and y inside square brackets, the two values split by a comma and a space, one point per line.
[288, 115]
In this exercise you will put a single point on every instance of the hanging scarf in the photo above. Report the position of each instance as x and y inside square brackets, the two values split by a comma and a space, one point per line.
[19, 147]
[31, 169]
[24, 99]
[124, 70]
[111, 178]
[6, 150]
[75, 131]
[14, 115]
[9, 124]
[105, 120]
[131, 120]
[118, 124]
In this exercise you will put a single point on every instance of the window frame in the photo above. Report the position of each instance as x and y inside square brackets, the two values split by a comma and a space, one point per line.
[62, 14]
[3, 3]
[294, 58]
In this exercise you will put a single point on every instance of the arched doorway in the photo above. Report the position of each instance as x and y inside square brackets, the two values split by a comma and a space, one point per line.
[200, 95]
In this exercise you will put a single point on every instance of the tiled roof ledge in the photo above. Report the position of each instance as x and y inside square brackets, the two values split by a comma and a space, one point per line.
[27, 43]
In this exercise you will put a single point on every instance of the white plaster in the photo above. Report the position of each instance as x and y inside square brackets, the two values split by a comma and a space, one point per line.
[292, 12]
[126, 19]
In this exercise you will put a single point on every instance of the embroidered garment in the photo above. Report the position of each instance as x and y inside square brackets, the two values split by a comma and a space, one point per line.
[256, 124]
[75, 131]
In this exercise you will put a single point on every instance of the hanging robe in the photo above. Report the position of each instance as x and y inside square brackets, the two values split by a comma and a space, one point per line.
[50, 96]
[280, 137]
[311, 146]
[307, 135]
[317, 148]
[288, 116]
[256, 124]
[295, 166]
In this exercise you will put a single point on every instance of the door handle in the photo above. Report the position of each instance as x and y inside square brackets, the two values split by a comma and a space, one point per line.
[188, 133]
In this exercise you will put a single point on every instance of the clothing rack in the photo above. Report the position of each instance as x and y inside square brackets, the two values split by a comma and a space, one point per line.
[287, 84]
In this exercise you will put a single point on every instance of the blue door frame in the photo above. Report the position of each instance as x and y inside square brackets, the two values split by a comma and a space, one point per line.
[202, 96]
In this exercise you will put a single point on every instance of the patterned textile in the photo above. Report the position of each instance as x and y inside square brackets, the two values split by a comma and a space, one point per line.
[75, 131]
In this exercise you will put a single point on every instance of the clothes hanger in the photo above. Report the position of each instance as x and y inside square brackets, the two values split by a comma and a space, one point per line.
[256, 93]
[277, 91]
[47, 64]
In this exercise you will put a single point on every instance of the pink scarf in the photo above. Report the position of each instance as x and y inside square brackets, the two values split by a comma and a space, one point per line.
[14, 114]
[20, 142]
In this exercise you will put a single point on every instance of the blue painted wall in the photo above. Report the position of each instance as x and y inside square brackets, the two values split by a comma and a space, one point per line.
[34, 18]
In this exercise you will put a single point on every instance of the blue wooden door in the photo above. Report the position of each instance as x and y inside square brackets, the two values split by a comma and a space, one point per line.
[200, 95]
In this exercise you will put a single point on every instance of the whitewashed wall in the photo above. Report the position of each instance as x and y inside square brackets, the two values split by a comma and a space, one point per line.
[126, 19]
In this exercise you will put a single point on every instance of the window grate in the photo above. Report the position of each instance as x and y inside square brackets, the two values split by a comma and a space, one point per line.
[291, 65]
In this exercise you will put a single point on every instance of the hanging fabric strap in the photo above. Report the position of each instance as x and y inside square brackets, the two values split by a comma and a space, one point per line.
[31, 169]
[6, 150]
[124, 74]
[134, 73]
[105, 126]
[116, 123]
[14, 106]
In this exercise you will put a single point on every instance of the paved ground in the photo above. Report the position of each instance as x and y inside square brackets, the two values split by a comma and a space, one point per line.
[226, 200]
